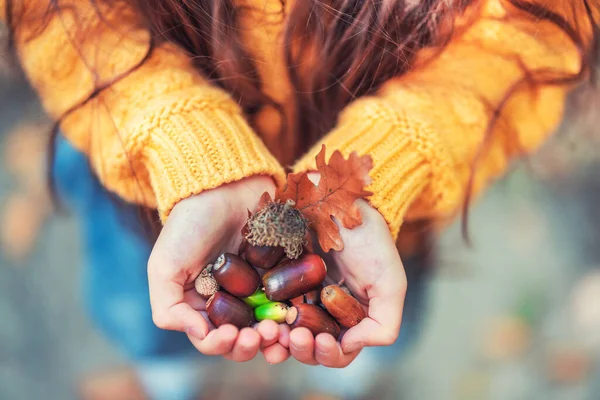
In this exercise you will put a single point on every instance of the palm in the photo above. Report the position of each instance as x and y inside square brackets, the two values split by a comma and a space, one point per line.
[198, 230]
[223, 241]
[371, 268]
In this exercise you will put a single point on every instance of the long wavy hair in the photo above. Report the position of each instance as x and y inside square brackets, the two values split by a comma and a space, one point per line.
[355, 46]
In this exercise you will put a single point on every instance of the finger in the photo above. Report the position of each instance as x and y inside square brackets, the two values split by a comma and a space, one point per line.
[169, 310]
[302, 346]
[269, 333]
[211, 327]
[195, 301]
[369, 333]
[218, 342]
[284, 335]
[246, 346]
[386, 301]
[276, 354]
[328, 352]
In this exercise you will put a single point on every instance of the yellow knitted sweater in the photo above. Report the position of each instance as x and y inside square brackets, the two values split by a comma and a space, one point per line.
[163, 132]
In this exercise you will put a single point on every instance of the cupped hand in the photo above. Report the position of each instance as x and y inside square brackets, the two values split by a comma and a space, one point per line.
[197, 231]
[371, 268]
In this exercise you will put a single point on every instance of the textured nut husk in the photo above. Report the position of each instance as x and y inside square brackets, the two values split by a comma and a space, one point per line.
[205, 283]
[313, 318]
[235, 275]
[294, 278]
[263, 257]
[342, 306]
[278, 224]
[222, 308]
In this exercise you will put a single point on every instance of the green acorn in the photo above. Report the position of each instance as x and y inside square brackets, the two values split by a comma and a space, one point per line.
[274, 311]
[257, 299]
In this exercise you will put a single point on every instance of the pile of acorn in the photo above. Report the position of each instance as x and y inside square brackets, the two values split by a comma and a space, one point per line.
[262, 283]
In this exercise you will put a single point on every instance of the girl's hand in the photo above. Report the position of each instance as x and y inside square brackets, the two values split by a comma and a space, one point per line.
[371, 268]
[197, 231]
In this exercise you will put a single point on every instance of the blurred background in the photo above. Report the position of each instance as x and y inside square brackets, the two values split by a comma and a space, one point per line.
[517, 316]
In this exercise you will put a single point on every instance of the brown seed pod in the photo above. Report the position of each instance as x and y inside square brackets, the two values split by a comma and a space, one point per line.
[312, 317]
[263, 257]
[235, 275]
[297, 300]
[342, 306]
[222, 308]
[205, 283]
[294, 278]
[313, 297]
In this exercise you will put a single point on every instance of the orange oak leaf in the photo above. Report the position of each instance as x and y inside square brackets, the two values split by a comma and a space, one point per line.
[341, 183]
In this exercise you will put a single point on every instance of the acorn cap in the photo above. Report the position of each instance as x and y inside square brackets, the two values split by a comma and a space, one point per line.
[278, 224]
[205, 284]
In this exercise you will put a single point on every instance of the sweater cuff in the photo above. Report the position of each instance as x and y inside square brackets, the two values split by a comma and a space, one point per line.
[202, 146]
[404, 154]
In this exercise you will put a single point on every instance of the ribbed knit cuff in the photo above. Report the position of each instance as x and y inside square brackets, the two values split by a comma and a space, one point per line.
[401, 149]
[200, 146]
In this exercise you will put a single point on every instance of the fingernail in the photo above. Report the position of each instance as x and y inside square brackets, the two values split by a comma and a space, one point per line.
[351, 348]
[194, 332]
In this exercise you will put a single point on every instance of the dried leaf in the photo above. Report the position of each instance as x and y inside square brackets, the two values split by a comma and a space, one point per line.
[341, 183]
[264, 200]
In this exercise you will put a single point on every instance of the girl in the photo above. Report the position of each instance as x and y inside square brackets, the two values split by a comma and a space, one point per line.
[193, 108]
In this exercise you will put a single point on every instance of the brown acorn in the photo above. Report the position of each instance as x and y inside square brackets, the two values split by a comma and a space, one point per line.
[293, 278]
[222, 308]
[342, 306]
[312, 317]
[235, 275]
[205, 283]
[297, 300]
[263, 257]
[312, 297]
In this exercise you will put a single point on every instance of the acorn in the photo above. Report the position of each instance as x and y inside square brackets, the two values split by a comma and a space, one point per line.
[257, 299]
[293, 278]
[274, 311]
[222, 308]
[342, 306]
[263, 257]
[312, 297]
[205, 283]
[297, 300]
[312, 317]
[235, 275]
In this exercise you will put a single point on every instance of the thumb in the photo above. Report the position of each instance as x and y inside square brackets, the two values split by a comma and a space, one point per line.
[170, 311]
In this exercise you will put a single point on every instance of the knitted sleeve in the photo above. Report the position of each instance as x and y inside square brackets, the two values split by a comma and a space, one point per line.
[427, 128]
[157, 132]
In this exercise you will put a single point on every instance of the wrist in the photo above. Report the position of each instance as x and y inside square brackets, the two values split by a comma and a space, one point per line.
[238, 196]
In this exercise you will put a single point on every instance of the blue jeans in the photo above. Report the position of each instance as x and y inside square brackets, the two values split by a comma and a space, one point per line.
[115, 254]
